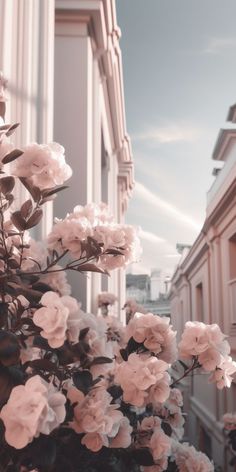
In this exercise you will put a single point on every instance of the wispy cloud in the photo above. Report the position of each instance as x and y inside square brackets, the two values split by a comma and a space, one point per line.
[151, 237]
[220, 45]
[168, 134]
[166, 207]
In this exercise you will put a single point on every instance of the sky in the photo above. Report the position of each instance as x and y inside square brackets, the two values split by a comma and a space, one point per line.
[179, 68]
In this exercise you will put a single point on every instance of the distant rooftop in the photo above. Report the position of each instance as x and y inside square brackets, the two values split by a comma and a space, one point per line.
[225, 140]
[232, 114]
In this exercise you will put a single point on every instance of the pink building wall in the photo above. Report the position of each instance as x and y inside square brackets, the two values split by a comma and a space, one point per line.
[204, 289]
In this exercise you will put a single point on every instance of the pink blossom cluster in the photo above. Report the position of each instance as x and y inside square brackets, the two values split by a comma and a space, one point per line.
[95, 221]
[43, 165]
[190, 460]
[58, 318]
[208, 345]
[171, 413]
[100, 420]
[143, 379]
[156, 334]
[229, 420]
[151, 435]
[34, 408]
[106, 298]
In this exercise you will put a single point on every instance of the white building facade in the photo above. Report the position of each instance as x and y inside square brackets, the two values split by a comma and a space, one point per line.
[204, 289]
[63, 62]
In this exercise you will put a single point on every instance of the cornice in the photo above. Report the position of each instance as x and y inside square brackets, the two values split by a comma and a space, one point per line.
[226, 138]
[232, 114]
[100, 19]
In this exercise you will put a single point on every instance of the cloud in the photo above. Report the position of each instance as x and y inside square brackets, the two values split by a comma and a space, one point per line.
[220, 45]
[168, 134]
[151, 237]
[166, 207]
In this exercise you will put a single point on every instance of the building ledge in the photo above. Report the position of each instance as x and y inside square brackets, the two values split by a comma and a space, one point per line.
[226, 139]
[232, 114]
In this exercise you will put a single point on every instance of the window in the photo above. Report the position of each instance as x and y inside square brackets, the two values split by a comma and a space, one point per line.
[199, 302]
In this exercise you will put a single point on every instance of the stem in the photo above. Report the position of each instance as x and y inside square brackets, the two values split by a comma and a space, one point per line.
[194, 365]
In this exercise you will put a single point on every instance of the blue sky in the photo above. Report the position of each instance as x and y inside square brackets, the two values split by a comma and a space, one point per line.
[179, 61]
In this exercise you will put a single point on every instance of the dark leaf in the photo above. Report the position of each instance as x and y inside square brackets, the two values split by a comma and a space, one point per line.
[11, 156]
[49, 192]
[42, 364]
[143, 456]
[18, 221]
[26, 208]
[35, 218]
[133, 345]
[91, 268]
[115, 252]
[13, 264]
[166, 428]
[11, 129]
[41, 287]
[9, 348]
[7, 184]
[101, 360]
[124, 354]
[42, 452]
[35, 192]
[115, 391]
[83, 380]
[83, 333]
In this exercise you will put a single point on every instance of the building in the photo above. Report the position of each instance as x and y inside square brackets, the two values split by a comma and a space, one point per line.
[142, 287]
[63, 62]
[204, 289]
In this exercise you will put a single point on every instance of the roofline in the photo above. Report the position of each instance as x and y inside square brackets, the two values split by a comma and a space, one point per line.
[231, 116]
[225, 136]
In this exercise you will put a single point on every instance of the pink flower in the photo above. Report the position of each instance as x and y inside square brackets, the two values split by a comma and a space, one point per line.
[57, 281]
[94, 441]
[68, 234]
[106, 298]
[194, 340]
[223, 375]
[58, 316]
[155, 333]
[43, 164]
[159, 444]
[33, 408]
[229, 420]
[123, 437]
[100, 420]
[137, 375]
[190, 460]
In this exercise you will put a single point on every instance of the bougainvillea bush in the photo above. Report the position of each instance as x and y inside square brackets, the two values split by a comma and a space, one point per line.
[80, 393]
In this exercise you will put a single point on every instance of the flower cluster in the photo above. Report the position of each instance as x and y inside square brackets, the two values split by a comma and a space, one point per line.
[106, 298]
[151, 435]
[143, 379]
[43, 165]
[114, 245]
[206, 344]
[79, 390]
[155, 333]
[101, 421]
[190, 460]
[34, 408]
